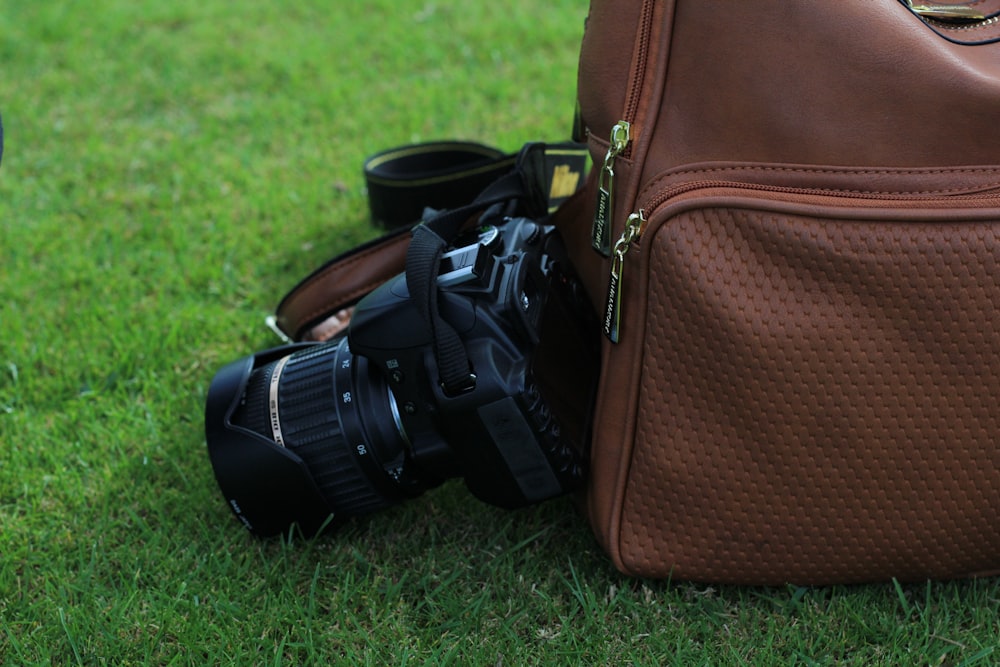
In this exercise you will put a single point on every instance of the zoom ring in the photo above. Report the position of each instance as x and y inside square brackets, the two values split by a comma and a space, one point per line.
[310, 426]
[307, 394]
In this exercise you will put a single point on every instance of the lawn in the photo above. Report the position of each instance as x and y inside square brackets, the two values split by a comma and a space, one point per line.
[170, 170]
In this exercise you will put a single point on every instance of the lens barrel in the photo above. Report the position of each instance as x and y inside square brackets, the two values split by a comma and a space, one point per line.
[325, 407]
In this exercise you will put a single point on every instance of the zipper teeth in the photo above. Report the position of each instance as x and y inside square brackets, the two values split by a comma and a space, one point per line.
[665, 195]
[635, 86]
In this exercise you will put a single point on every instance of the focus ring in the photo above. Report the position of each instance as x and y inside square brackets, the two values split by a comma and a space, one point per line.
[312, 428]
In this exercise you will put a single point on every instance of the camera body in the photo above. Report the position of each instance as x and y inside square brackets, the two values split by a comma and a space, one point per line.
[302, 433]
[499, 434]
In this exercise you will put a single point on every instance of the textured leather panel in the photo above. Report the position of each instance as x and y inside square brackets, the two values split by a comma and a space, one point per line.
[818, 400]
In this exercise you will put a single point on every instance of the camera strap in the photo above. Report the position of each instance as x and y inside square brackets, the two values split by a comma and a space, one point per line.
[526, 191]
[404, 181]
[418, 172]
[423, 259]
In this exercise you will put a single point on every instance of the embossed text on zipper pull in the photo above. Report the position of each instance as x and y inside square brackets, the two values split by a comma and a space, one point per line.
[600, 236]
[613, 305]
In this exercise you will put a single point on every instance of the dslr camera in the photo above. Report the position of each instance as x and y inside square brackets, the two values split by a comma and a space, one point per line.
[312, 434]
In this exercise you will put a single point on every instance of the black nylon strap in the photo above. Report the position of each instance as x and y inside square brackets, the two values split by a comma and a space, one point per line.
[441, 175]
[423, 260]
[403, 181]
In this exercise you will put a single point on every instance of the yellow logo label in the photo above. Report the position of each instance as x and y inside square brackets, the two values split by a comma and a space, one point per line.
[564, 182]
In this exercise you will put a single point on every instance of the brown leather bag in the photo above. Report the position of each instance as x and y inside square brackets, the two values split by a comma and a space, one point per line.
[792, 232]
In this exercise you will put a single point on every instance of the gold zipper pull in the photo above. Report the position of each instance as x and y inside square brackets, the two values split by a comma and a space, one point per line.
[600, 233]
[960, 13]
[613, 310]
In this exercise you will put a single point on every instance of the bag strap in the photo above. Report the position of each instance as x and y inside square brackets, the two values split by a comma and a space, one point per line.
[403, 181]
[337, 284]
[345, 279]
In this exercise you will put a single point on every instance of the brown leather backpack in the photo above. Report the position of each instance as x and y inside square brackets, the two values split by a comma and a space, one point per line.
[792, 233]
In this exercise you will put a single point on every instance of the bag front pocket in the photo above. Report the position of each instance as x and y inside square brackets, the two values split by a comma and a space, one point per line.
[817, 388]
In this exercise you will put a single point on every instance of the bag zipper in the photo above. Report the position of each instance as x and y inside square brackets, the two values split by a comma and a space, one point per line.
[960, 14]
[621, 137]
[636, 224]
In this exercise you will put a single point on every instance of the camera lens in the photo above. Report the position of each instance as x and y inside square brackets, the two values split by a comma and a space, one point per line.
[336, 413]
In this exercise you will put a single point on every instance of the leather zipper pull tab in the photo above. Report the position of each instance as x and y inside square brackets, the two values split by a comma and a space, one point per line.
[600, 233]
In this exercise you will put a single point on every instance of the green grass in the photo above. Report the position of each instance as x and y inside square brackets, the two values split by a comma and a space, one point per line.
[171, 169]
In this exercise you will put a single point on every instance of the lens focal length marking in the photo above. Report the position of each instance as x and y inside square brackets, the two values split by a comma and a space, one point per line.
[272, 401]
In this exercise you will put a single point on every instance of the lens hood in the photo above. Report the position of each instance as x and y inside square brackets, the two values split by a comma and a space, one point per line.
[268, 487]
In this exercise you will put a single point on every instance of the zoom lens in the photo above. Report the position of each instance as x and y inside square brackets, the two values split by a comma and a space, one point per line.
[333, 411]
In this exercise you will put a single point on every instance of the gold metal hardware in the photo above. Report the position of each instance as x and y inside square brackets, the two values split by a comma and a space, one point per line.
[961, 13]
